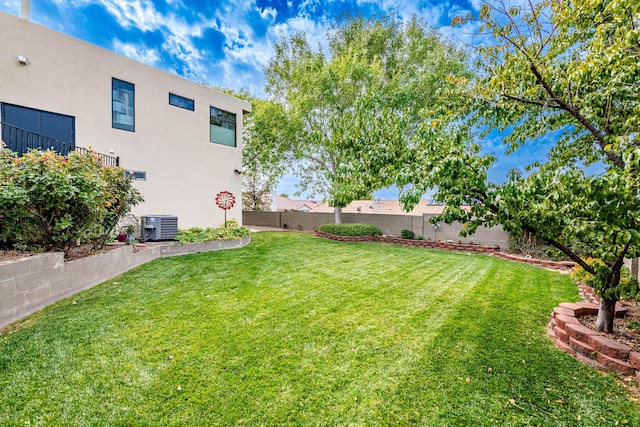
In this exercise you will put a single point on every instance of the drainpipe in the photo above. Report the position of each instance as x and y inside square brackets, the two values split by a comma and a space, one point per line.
[25, 9]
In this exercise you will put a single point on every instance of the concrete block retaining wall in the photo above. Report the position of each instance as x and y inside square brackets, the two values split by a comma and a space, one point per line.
[388, 224]
[29, 284]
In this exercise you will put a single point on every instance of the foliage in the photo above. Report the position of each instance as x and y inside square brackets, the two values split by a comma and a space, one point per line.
[130, 229]
[263, 157]
[354, 229]
[256, 190]
[528, 245]
[293, 330]
[229, 231]
[407, 234]
[51, 202]
[633, 325]
[628, 287]
[364, 95]
[566, 73]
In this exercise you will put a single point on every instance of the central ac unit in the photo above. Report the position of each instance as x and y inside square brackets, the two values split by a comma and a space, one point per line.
[159, 227]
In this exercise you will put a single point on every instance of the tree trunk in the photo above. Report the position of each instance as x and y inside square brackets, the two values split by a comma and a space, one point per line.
[337, 211]
[606, 314]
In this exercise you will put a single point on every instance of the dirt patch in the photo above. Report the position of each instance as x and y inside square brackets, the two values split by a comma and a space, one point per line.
[76, 252]
[619, 333]
[13, 255]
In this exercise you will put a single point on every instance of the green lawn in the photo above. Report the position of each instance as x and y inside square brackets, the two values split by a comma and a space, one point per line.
[296, 330]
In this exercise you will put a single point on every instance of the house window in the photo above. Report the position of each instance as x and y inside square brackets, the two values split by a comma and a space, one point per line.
[140, 175]
[222, 127]
[123, 105]
[137, 175]
[181, 101]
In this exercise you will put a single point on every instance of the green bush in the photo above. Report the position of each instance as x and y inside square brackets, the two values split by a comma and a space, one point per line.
[49, 202]
[628, 288]
[350, 229]
[407, 234]
[230, 231]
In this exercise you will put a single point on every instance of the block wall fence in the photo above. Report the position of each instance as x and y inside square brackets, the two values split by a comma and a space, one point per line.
[29, 284]
[388, 224]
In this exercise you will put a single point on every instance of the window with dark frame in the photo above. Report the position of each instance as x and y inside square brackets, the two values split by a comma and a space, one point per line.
[137, 175]
[222, 126]
[122, 105]
[182, 102]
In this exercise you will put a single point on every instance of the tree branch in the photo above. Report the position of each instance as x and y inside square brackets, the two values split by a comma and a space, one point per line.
[579, 117]
[568, 252]
[318, 161]
[531, 101]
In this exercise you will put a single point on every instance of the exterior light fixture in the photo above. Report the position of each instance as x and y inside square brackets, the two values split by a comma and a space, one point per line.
[22, 60]
[238, 171]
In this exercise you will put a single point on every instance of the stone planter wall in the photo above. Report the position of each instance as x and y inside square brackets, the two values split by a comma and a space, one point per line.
[557, 265]
[29, 284]
[590, 346]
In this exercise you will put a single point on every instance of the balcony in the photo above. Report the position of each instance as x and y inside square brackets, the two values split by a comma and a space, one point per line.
[21, 141]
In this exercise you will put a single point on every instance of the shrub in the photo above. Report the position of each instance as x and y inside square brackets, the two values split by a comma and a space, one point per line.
[230, 231]
[628, 288]
[350, 229]
[50, 202]
[633, 325]
[407, 234]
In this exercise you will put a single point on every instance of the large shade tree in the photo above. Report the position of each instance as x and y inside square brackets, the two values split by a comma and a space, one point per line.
[567, 72]
[364, 94]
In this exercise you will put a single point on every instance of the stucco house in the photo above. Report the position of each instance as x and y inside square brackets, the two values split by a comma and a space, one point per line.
[286, 204]
[182, 140]
[388, 207]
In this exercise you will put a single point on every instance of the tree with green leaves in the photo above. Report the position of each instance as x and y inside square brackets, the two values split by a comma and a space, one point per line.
[263, 156]
[567, 72]
[365, 94]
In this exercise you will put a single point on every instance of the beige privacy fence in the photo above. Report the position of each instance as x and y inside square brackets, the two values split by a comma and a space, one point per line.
[389, 224]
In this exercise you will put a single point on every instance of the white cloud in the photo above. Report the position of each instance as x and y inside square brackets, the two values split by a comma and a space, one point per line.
[10, 6]
[476, 4]
[140, 14]
[246, 50]
[268, 14]
[137, 52]
[466, 35]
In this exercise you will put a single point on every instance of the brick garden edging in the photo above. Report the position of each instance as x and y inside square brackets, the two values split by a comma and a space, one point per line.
[557, 265]
[412, 242]
[589, 346]
[493, 250]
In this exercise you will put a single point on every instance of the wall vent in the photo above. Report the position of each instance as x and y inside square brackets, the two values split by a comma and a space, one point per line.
[159, 227]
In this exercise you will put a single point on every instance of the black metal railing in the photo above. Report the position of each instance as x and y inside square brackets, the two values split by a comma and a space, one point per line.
[105, 159]
[21, 141]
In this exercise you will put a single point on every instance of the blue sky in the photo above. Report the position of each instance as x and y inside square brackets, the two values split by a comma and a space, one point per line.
[227, 43]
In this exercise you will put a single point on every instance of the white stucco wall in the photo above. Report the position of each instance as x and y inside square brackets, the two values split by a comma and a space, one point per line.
[68, 76]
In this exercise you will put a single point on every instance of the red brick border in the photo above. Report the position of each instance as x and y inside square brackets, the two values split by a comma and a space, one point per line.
[587, 345]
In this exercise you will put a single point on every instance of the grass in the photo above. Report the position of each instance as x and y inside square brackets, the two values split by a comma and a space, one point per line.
[295, 330]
